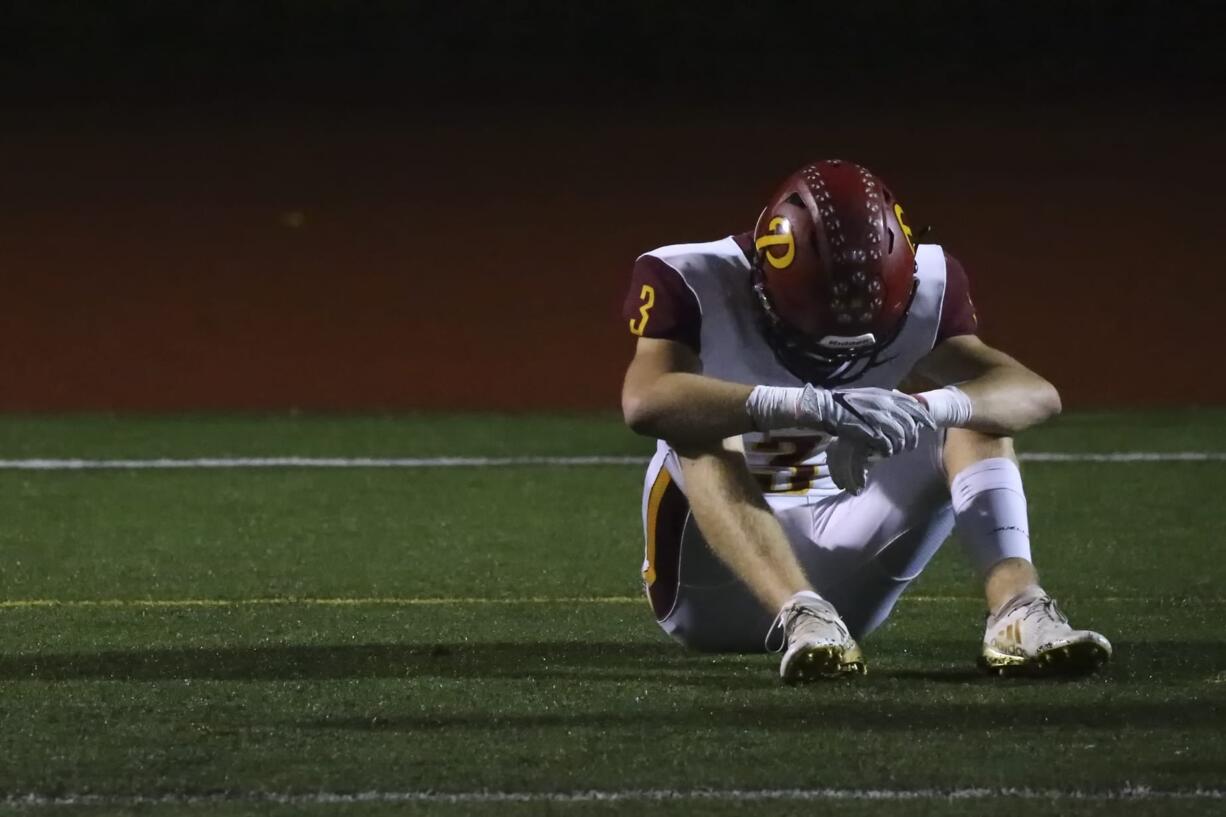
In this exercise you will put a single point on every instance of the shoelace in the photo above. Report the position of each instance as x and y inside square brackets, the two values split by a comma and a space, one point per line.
[777, 624]
[1048, 607]
[1033, 606]
[785, 623]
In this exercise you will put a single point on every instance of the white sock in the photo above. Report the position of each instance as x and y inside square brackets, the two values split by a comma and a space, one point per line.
[805, 595]
[990, 512]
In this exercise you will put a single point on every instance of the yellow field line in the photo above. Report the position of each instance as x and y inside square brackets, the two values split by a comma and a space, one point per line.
[419, 601]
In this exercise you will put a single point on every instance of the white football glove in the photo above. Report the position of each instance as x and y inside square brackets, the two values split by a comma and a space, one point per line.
[885, 421]
[849, 462]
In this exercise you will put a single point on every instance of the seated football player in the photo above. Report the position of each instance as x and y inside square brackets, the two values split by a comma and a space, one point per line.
[796, 490]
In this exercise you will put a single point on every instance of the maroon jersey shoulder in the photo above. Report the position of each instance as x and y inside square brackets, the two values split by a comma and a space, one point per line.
[745, 242]
[958, 316]
[661, 305]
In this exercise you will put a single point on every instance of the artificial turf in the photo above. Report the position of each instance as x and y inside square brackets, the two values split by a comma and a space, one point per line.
[457, 630]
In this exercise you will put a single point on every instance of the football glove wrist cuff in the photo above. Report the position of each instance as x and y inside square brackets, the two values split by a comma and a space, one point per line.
[774, 407]
[950, 407]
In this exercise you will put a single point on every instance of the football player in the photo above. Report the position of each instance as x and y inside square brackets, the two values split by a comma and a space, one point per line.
[796, 490]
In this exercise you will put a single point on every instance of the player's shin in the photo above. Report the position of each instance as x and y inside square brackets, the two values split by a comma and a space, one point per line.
[992, 523]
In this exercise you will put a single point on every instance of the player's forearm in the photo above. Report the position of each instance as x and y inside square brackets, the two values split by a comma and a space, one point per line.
[1004, 400]
[688, 409]
[740, 527]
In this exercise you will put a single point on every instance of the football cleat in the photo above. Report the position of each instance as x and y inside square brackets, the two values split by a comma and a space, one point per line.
[1030, 636]
[816, 643]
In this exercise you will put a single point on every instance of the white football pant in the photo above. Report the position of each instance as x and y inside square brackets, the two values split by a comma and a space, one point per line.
[859, 552]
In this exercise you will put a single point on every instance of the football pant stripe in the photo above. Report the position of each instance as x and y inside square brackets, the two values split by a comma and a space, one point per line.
[667, 511]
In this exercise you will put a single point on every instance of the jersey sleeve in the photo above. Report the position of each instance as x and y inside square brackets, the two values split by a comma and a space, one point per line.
[958, 316]
[661, 305]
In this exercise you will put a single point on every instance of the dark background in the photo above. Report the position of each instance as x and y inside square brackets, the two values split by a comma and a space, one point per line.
[376, 205]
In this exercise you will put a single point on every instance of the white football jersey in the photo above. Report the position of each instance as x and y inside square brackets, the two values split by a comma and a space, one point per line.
[789, 462]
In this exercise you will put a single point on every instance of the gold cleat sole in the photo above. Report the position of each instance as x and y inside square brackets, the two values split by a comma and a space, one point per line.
[824, 663]
[1068, 661]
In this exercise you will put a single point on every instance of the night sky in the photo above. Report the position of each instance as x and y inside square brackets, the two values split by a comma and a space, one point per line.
[635, 51]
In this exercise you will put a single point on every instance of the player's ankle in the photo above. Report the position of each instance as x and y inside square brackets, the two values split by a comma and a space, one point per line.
[1014, 597]
[803, 596]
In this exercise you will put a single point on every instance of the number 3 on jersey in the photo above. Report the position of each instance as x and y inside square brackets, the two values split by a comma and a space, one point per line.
[648, 296]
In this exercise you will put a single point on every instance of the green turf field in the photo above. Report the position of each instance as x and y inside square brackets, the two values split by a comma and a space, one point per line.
[208, 641]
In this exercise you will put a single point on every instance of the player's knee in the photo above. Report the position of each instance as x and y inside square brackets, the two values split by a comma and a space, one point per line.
[964, 447]
[1048, 398]
[638, 415]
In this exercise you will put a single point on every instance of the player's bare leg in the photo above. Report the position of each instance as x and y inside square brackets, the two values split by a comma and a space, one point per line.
[1026, 632]
[742, 531]
[1008, 579]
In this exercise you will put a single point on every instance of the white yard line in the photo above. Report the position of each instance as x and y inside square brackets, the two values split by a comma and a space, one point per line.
[607, 795]
[1125, 456]
[170, 463]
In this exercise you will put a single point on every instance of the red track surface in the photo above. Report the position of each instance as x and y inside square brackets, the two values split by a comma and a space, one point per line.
[178, 261]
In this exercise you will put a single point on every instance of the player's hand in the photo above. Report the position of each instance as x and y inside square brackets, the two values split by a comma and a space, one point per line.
[885, 421]
[849, 462]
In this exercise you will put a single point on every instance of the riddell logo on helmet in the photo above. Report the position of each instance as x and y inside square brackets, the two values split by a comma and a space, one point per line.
[846, 342]
[781, 238]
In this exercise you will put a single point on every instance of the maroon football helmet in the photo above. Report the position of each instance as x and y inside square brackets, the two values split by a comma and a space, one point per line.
[834, 271]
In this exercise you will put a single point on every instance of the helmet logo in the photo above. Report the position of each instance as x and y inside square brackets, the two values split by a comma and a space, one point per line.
[783, 238]
[844, 342]
[905, 229]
